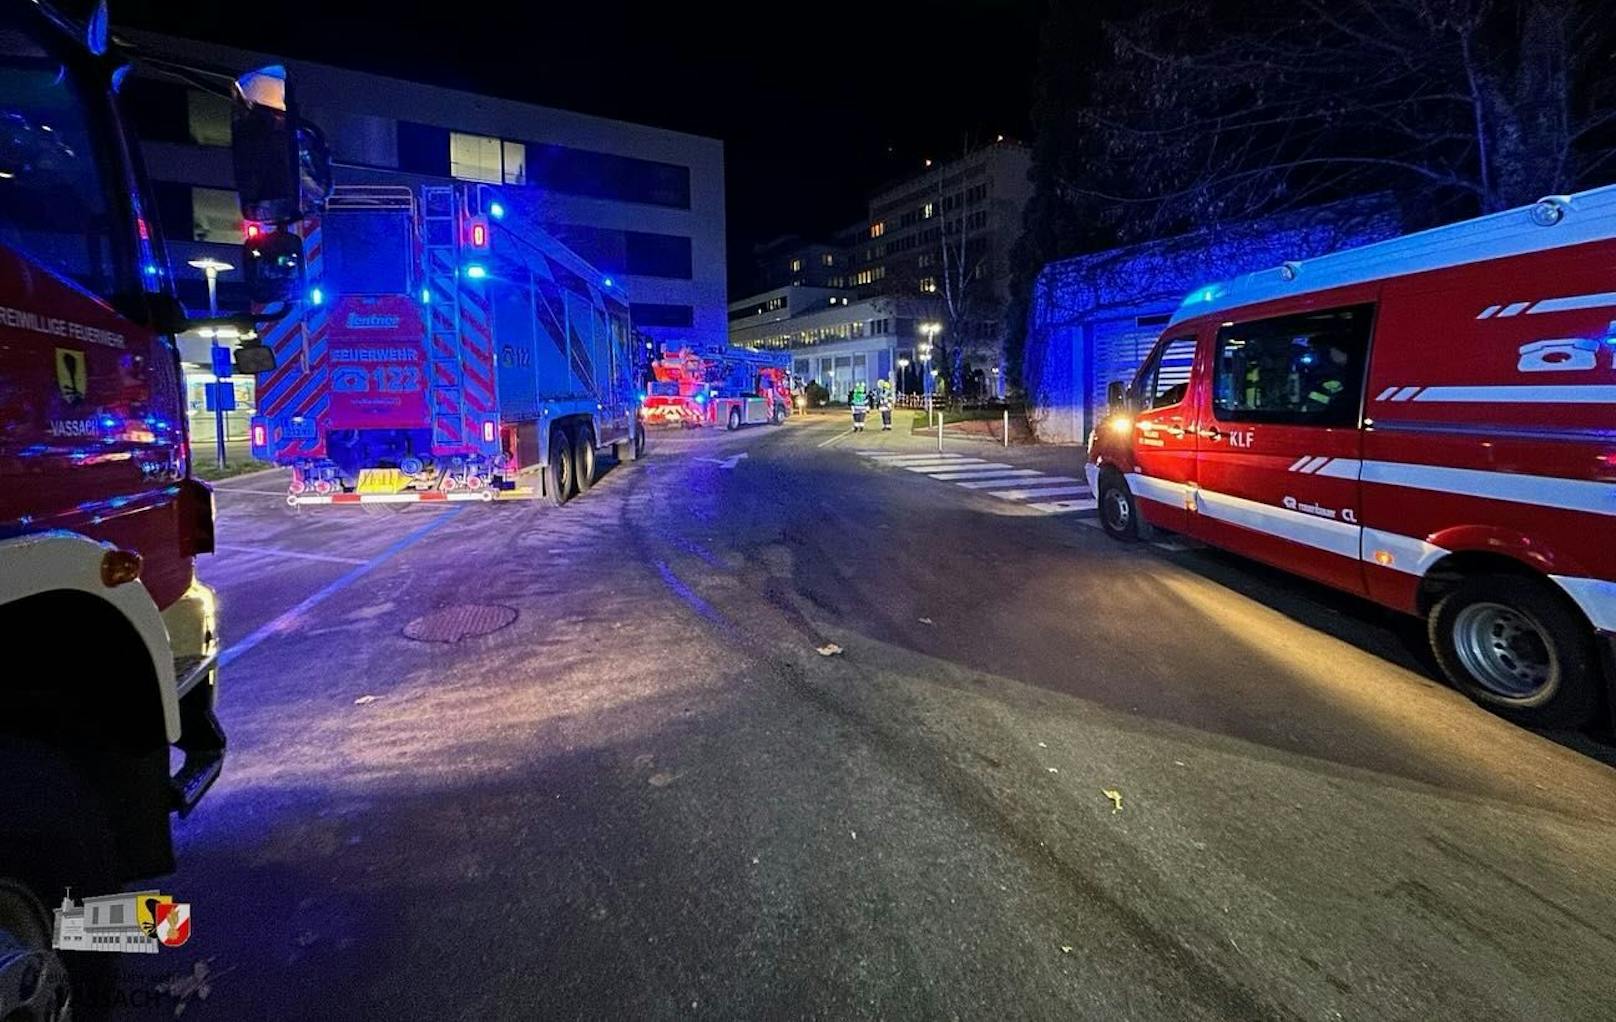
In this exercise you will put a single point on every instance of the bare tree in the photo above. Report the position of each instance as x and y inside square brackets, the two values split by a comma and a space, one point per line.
[1202, 114]
[945, 279]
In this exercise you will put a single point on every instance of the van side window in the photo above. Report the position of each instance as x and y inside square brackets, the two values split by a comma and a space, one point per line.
[1304, 370]
[1165, 379]
[56, 206]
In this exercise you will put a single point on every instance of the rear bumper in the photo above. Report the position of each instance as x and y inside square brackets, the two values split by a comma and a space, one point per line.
[415, 497]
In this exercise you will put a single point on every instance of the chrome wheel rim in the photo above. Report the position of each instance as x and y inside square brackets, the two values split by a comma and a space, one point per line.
[1505, 651]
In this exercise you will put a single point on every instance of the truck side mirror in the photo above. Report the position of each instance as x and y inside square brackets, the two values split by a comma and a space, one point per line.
[254, 359]
[1116, 395]
[272, 264]
[283, 170]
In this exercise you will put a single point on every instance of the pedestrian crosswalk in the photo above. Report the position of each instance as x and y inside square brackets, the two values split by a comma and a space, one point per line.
[1037, 491]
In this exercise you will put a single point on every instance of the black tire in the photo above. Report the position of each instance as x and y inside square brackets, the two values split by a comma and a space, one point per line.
[558, 477]
[1119, 511]
[1515, 645]
[778, 415]
[56, 836]
[734, 418]
[583, 459]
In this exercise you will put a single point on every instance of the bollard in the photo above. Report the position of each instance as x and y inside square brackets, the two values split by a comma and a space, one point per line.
[939, 432]
[1007, 427]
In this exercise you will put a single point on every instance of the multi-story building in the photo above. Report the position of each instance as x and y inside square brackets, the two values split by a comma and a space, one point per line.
[937, 246]
[935, 249]
[643, 204]
[835, 338]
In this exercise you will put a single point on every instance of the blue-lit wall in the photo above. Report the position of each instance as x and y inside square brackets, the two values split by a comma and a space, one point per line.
[1094, 316]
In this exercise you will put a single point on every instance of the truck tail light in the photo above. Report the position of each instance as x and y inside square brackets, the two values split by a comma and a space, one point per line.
[488, 431]
[260, 436]
[196, 514]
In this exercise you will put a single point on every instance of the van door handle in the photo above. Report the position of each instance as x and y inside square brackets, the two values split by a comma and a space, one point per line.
[1177, 427]
[1212, 433]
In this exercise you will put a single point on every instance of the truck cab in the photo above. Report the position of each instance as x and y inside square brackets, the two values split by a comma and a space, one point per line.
[107, 722]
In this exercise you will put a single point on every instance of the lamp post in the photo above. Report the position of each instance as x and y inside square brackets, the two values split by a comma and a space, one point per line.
[220, 355]
[929, 330]
[903, 371]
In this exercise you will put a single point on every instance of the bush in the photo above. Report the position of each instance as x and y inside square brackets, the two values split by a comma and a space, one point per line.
[818, 396]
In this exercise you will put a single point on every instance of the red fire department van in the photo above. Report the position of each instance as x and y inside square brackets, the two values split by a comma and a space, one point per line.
[1429, 422]
[111, 642]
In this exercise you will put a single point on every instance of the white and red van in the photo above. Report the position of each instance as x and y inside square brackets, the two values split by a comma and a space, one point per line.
[1429, 422]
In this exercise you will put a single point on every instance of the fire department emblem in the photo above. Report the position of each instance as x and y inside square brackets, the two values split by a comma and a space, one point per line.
[72, 378]
[173, 923]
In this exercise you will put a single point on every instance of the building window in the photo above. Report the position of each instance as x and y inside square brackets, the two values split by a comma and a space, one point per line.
[926, 259]
[1304, 370]
[796, 266]
[215, 216]
[115, 915]
[828, 259]
[652, 314]
[658, 255]
[515, 159]
[927, 210]
[878, 228]
[209, 118]
[604, 176]
[928, 285]
[475, 158]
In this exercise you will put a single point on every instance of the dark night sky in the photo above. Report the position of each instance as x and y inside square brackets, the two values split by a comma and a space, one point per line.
[817, 104]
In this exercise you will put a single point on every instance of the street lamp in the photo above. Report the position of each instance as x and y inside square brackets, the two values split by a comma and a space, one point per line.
[212, 268]
[929, 330]
[903, 366]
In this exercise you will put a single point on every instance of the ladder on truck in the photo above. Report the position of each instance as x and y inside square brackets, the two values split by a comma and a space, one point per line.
[440, 229]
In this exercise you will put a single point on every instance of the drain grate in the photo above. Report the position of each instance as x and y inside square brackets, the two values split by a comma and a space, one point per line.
[451, 624]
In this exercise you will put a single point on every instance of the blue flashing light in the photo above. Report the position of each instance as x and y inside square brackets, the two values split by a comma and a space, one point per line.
[496, 210]
[151, 269]
[476, 271]
[701, 398]
[426, 296]
[317, 296]
[607, 282]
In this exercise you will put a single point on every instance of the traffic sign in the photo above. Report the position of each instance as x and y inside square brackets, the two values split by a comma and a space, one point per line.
[222, 366]
[221, 397]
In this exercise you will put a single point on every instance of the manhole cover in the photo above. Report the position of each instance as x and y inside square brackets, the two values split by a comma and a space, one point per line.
[451, 624]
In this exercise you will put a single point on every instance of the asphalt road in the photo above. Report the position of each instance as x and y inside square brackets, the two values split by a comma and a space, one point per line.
[644, 793]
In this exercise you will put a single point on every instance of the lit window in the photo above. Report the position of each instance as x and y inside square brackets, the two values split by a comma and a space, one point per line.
[475, 158]
[827, 259]
[515, 154]
[796, 265]
[928, 284]
[208, 117]
[927, 210]
[215, 216]
[878, 229]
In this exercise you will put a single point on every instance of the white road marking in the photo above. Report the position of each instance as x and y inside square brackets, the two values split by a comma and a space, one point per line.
[963, 464]
[1059, 507]
[1001, 479]
[958, 470]
[1053, 491]
[899, 459]
[279, 552]
[837, 437]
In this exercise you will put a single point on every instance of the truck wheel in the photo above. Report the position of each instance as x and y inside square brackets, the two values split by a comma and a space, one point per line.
[56, 836]
[734, 418]
[583, 458]
[558, 474]
[779, 414]
[1119, 512]
[1514, 645]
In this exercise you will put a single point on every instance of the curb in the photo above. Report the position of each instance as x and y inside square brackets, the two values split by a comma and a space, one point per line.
[224, 483]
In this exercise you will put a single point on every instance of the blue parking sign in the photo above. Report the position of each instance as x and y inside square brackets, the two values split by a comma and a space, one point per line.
[222, 364]
[221, 397]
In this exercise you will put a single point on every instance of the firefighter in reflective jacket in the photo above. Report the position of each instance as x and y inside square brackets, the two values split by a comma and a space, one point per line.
[1328, 384]
[883, 401]
[859, 401]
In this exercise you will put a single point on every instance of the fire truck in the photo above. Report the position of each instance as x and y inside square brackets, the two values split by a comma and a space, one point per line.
[1428, 422]
[448, 349]
[719, 384]
[114, 643]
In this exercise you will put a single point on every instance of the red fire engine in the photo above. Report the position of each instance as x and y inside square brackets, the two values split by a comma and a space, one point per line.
[1429, 422]
[719, 384]
[114, 641]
